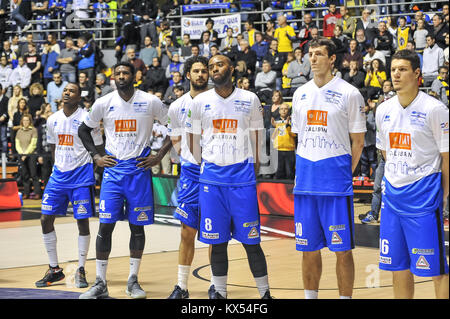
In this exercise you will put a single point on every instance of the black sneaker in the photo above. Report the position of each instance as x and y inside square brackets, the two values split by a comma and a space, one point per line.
[362, 216]
[179, 293]
[80, 278]
[213, 294]
[267, 295]
[52, 275]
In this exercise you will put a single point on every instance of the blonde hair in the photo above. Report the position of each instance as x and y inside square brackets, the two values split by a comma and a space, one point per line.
[36, 85]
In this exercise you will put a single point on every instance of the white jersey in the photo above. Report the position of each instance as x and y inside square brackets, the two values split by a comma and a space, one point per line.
[71, 157]
[128, 125]
[323, 118]
[413, 138]
[176, 124]
[225, 125]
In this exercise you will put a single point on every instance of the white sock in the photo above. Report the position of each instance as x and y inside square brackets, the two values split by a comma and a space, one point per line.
[101, 266]
[183, 275]
[262, 283]
[220, 285]
[311, 294]
[135, 263]
[83, 248]
[50, 246]
[345, 297]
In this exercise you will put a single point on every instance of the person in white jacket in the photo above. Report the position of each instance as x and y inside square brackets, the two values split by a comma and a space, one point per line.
[21, 75]
[5, 73]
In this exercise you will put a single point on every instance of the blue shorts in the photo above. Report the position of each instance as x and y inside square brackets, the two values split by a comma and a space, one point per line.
[414, 243]
[229, 212]
[132, 192]
[188, 206]
[324, 221]
[56, 200]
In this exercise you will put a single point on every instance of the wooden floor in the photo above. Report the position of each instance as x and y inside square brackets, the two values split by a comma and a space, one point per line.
[23, 260]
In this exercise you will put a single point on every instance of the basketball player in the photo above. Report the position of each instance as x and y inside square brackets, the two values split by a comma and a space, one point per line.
[128, 115]
[72, 180]
[412, 133]
[187, 212]
[228, 120]
[328, 116]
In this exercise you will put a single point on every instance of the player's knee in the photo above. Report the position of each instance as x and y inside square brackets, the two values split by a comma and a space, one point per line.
[188, 234]
[103, 243]
[83, 226]
[256, 260]
[47, 223]
[137, 238]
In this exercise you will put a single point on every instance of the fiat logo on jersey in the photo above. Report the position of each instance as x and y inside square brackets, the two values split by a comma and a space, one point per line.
[65, 140]
[316, 117]
[400, 140]
[125, 125]
[225, 126]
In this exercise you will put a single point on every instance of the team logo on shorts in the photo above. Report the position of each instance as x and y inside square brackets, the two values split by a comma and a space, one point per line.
[336, 239]
[422, 263]
[210, 235]
[143, 217]
[385, 260]
[253, 233]
[81, 210]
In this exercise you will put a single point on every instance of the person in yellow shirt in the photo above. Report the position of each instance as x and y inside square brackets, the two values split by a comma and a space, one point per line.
[284, 142]
[249, 33]
[375, 78]
[285, 81]
[285, 35]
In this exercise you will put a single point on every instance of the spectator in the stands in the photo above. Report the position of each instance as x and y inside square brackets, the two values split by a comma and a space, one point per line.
[5, 73]
[249, 33]
[440, 29]
[375, 77]
[175, 66]
[33, 61]
[366, 24]
[248, 56]
[353, 54]
[308, 24]
[101, 88]
[49, 63]
[420, 36]
[13, 102]
[26, 140]
[371, 55]
[285, 35]
[285, 80]
[36, 98]
[186, 48]
[347, 22]
[148, 52]
[156, 78]
[205, 45]
[40, 14]
[355, 76]
[276, 61]
[55, 89]
[177, 80]
[439, 87]
[21, 109]
[137, 62]
[228, 42]
[265, 82]
[341, 43]
[433, 58]
[403, 33]
[330, 20]
[214, 36]
[86, 59]
[4, 118]
[87, 92]
[21, 75]
[261, 47]
[299, 71]
[67, 61]
[269, 33]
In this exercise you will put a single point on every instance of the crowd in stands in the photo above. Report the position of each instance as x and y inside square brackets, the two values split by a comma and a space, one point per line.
[270, 55]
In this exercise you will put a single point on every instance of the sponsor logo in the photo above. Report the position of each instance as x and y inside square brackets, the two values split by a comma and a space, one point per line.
[419, 251]
[400, 140]
[303, 97]
[242, 106]
[111, 108]
[181, 212]
[385, 260]
[444, 127]
[81, 210]
[251, 224]
[207, 107]
[46, 207]
[140, 107]
[83, 201]
[301, 241]
[104, 215]
[210, 235]
[125, 125]
[225, 126]
[65, 140]
[332, 97]
[387, 118]
[422, 263]
[336, 227]
[315, 117]
[140, 209]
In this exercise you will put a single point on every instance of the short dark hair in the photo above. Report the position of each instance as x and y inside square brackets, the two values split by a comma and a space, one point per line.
[409, 55]
[322, 41]
[192, 60]
[209, 20]
[77, 85]
[127, 64]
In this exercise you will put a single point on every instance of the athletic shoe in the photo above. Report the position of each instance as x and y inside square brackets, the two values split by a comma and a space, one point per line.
[27, 27]
[97, 291]
[80, 278]
[213, 294]
[362, 216]
[267, 295]
[52, 275]
[179, 293]
[134, 290]
[369, 218]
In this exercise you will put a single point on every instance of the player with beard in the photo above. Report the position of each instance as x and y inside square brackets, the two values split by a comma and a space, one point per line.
[228, 120]
[196, 71]
[128, 115]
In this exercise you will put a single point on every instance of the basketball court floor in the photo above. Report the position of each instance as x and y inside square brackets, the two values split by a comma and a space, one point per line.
[23, 261]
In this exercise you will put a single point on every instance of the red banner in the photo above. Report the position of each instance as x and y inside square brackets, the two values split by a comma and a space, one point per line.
[9, 195]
